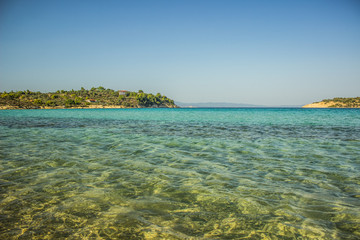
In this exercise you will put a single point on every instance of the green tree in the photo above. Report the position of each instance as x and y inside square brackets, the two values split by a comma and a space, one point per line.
[38, 101]
[78, 100]
[69, 102]
[50, 103]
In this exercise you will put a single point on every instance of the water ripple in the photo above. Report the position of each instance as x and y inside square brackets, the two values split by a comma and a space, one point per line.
[107, 178]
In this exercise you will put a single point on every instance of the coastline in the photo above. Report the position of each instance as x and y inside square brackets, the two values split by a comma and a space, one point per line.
[81, 99]
[8, 107]
[318, 105]
[324, 105]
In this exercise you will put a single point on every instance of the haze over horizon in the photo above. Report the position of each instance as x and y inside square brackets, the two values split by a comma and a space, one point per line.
[255, 52]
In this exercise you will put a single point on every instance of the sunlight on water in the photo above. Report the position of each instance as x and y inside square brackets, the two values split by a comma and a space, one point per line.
[180, 174]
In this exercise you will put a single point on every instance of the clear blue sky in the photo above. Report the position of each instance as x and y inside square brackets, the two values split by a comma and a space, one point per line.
[241, 51]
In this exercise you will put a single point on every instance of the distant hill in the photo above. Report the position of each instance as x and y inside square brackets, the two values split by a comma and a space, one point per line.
[215, 105]
[93, 98]
[336, 103]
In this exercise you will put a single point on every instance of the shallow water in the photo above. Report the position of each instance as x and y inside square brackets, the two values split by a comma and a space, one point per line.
[180, 174]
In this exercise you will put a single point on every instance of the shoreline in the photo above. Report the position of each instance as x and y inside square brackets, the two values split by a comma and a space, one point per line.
[319, 105]
[324, 105]
[84, 107]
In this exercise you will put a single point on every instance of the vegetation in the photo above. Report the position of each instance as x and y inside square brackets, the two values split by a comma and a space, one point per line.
[95, 97]
[343, 102]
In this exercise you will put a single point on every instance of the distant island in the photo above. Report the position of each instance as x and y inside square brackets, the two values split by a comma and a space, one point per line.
[215, 105]
[94, 98]
[229, 105]
[336, 103]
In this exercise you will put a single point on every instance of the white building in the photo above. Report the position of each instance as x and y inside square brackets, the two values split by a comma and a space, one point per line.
[122, 92]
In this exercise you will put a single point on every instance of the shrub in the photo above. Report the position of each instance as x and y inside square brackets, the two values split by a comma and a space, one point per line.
[50, 103]
[38, 101]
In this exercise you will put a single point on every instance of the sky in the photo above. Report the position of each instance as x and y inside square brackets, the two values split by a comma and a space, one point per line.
[279, 52]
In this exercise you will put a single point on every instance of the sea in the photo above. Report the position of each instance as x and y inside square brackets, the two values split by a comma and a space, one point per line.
[237, 173]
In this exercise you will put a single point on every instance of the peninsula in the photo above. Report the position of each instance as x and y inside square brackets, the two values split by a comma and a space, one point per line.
[94, 98]
[336, 103]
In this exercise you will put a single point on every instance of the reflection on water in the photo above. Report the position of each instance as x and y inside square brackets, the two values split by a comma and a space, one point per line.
[99, 178]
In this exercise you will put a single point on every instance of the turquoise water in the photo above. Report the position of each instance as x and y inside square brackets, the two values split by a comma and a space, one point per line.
[180, 174]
